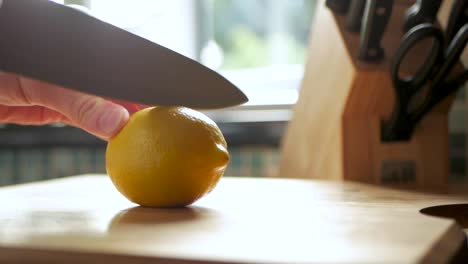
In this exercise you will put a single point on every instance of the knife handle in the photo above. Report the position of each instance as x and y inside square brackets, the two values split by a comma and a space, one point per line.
[457, 19]
[354, 16]
[423, 11]
[338, 6]
[376, 16]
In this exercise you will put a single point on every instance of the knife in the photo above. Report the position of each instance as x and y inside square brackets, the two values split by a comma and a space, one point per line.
[338, 6]
[423, 11]
[61, 45]
[458, 18]
[376, 16]
[354, 16]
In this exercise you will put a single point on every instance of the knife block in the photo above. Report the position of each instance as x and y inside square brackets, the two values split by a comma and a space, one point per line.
[335, 129]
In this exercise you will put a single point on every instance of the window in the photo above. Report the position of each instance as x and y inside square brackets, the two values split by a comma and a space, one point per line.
[260, 45]
[261, 33]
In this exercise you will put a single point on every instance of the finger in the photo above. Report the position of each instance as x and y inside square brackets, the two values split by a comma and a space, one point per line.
[11, 93]
[93, 114]
[30, 115]
[131, 107]
[33, 115]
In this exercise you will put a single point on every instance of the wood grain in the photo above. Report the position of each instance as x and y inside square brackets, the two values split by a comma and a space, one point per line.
[312, 142]
[244, 220]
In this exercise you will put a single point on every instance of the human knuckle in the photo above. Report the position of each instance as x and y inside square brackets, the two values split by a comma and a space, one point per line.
[84, 109]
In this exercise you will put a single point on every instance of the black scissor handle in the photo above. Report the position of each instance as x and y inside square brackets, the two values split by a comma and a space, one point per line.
[452, 54]
[440, 87]
[411, 38]
[400, 126]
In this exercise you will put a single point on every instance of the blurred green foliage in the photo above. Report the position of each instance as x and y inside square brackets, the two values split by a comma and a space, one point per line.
[245, 30]
[245, 49]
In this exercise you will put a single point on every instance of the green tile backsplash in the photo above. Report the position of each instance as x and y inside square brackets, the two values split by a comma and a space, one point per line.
[26, 165]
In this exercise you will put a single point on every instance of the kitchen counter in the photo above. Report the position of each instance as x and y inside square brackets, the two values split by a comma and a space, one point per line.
[83, 219]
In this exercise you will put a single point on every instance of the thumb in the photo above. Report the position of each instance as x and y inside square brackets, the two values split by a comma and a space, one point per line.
[99, 117]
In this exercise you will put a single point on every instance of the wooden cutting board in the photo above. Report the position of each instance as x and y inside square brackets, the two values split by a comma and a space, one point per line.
[244, 220]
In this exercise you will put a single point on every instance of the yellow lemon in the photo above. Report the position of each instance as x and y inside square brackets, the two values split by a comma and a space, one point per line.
[166, 157]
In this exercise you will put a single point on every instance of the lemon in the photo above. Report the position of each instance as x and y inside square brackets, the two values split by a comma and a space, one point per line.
[166, 157]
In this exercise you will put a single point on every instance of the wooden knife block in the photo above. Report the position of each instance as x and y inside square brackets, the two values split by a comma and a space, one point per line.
[335, 129]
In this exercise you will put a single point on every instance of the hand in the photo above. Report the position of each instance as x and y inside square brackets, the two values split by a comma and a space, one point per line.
[31, 102]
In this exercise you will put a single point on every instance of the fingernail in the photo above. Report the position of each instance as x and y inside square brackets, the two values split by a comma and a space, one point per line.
[113, 120]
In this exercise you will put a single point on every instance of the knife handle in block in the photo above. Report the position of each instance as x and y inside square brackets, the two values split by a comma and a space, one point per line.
[355, 15]
[338, 6]
[376, 16]
[423, 11]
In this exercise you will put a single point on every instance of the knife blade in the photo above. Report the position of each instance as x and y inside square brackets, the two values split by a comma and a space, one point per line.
[354, 16]
[376, 16]
[457, 19]
[423, 11]
[339, 7]
[60, 45]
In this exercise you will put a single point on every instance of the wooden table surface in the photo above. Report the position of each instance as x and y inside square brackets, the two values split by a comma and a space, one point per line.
[84, 219]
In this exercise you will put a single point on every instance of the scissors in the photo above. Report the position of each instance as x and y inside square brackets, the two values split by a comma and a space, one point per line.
[416, 95]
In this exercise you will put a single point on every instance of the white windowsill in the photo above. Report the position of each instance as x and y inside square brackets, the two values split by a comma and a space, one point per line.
[272, 91]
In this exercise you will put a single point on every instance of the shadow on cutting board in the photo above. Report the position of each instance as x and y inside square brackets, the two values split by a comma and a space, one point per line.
[146, 217]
